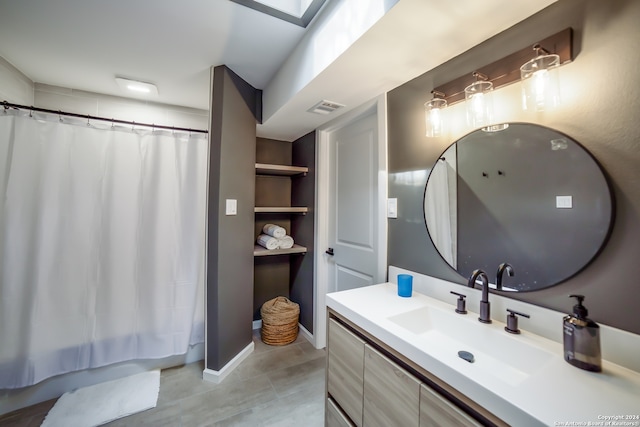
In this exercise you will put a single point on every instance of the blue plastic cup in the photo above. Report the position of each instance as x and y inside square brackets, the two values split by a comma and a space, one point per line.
[405, 285]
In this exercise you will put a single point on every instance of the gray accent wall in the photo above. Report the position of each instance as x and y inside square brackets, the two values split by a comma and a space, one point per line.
[600, 102]
[232, 154]
[303, 190]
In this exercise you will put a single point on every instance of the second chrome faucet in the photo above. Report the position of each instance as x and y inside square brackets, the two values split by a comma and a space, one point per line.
[485, 306]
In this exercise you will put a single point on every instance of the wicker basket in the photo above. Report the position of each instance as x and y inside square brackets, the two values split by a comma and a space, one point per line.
[279, 321]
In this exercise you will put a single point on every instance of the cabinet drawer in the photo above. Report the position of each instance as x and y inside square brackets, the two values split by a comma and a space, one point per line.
[391, 394]
[435, 410]
[334, 417]
[345, 370]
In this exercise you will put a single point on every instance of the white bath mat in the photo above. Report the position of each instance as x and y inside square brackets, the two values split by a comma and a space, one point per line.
[101, 403]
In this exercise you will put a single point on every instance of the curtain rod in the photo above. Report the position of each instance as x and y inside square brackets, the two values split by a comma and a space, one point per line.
[8, 105]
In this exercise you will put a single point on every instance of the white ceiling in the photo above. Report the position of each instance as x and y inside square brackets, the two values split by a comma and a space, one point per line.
[84, 44]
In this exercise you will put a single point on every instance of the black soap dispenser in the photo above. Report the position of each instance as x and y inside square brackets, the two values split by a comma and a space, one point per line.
[581, 338]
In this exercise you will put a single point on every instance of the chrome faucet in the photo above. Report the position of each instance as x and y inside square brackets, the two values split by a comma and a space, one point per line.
[485, 307]
[505, 266]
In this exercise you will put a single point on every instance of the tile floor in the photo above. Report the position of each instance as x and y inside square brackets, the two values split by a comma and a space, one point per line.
[275, 386]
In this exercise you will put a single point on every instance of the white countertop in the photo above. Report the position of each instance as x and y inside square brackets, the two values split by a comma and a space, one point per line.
[554, 394]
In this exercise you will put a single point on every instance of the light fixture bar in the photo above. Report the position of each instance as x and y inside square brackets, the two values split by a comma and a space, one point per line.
[507, 69]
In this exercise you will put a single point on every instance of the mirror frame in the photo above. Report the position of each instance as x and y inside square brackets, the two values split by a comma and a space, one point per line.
[605, 237]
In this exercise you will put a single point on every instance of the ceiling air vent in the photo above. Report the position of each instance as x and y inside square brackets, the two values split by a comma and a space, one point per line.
[325, 107]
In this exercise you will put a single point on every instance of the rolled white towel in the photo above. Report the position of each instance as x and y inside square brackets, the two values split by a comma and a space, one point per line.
[267, 241]
[286, 242]
[274, 230]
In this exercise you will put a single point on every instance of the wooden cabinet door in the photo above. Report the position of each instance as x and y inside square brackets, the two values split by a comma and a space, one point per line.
[345, 370]
[391, 394]
[435, 410]
[334, 417]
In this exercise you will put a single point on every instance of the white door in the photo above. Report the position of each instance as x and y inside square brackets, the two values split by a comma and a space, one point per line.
[353, 205]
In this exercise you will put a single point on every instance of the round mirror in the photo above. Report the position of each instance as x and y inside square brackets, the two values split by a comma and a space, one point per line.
[527, 195]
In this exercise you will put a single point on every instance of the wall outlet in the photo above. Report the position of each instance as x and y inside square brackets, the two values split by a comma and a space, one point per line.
[232, 207]
[392, 208]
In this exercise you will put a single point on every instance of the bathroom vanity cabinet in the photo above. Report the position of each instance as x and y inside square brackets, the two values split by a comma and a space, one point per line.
[369, 384]
[391, 394]
[345, 370]
[413, 372]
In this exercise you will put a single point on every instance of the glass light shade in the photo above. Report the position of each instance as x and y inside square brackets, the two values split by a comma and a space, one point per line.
[540, 86]
[479, 103]
[433, 117]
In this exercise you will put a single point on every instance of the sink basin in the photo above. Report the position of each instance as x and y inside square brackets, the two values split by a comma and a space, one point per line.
[497, 354]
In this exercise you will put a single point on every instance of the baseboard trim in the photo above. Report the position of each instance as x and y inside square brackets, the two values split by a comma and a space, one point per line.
[257, 324]
[308, 335]
[218, 376]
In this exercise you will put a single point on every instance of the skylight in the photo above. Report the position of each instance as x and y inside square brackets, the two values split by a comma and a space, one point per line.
[299, 12]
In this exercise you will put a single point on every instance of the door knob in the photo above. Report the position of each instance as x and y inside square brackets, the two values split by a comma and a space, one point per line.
[329, 252]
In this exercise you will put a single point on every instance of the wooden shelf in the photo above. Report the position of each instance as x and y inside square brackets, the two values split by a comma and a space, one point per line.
[281, 209]
[260, 251]
[267, 169]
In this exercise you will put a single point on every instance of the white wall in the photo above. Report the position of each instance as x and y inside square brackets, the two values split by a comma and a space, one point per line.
[15, 87]
[337, 27]
[95, 104]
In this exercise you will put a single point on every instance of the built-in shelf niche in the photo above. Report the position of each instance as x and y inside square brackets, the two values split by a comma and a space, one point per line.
[284, 196]
[283, 171]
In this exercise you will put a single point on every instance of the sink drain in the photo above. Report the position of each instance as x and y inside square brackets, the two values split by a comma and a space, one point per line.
[466, 356]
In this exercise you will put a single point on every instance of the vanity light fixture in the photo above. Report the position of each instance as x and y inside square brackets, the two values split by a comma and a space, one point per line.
[433, 114]
[478, 99]
[505, 71]
[540, 87]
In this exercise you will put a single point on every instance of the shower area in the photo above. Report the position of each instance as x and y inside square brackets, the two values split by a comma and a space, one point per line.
[102, 241]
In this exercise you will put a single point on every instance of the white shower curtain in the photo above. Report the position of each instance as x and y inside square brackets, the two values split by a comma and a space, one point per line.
[101, 245]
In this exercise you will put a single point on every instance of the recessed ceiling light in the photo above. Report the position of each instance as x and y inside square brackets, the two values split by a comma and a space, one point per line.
[138, 87]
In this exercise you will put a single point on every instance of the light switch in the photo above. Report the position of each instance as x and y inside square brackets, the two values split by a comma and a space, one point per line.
[392, 208]
[232, 207]
[564, 202]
